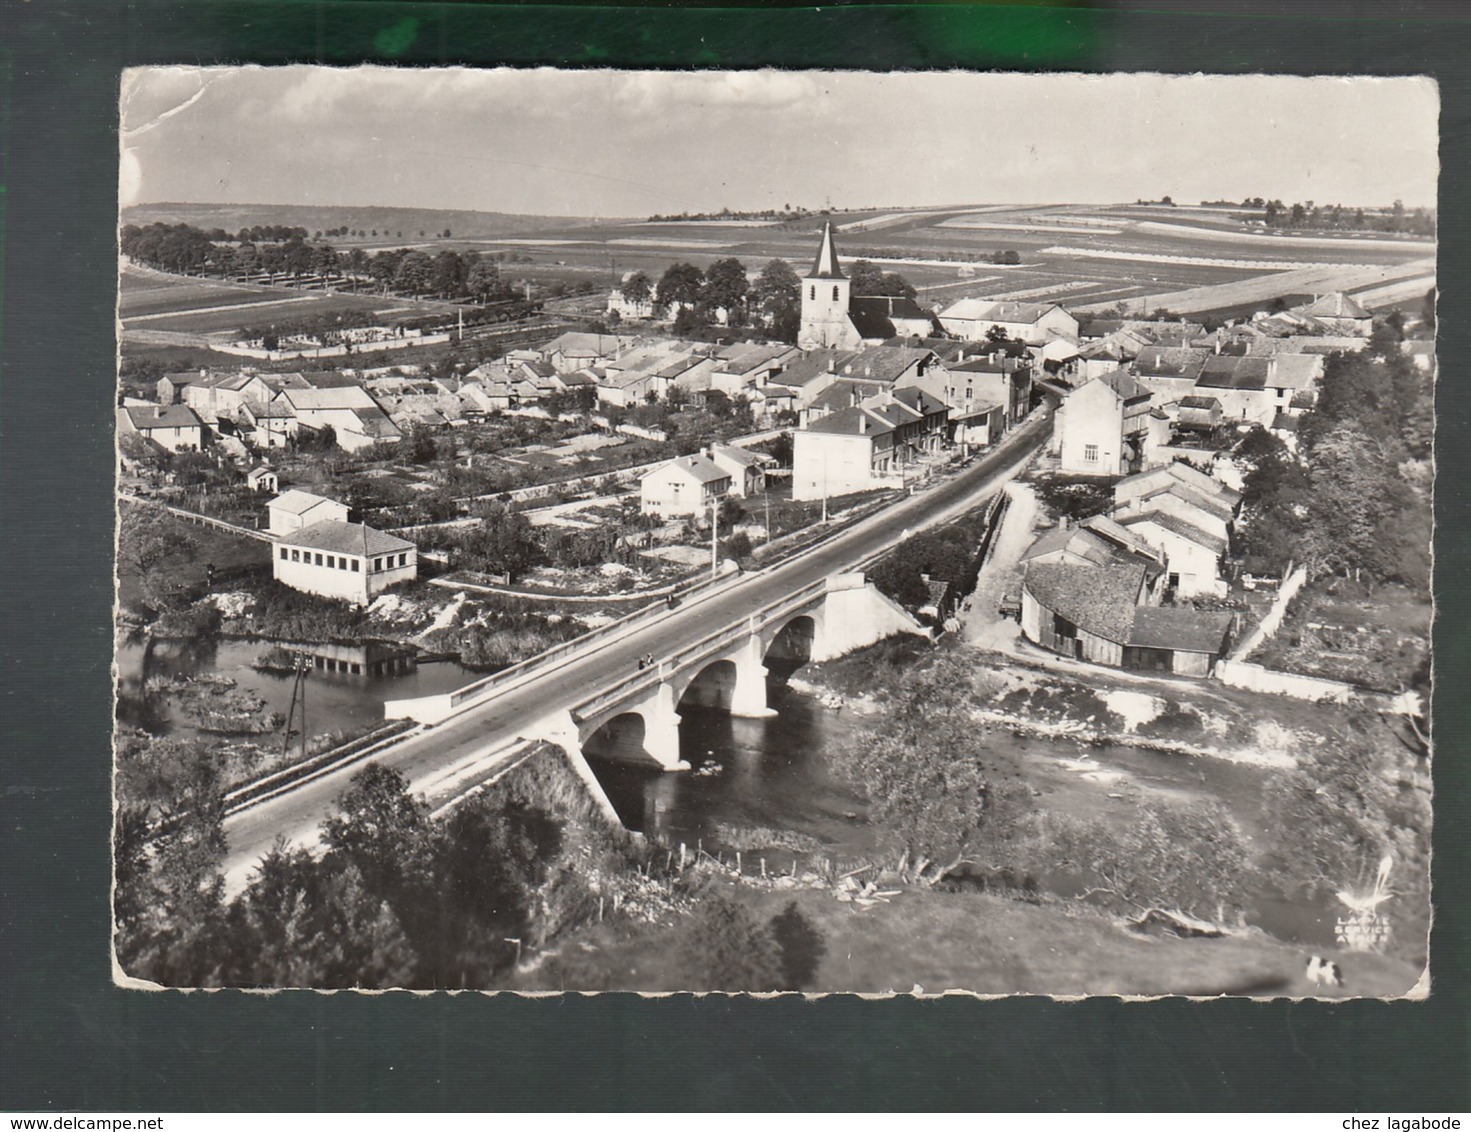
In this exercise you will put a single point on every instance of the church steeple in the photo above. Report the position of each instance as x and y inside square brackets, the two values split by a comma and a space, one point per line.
[826, 264]
[826, 294]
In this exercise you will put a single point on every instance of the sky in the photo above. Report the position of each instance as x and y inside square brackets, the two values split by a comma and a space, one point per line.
[633, 143]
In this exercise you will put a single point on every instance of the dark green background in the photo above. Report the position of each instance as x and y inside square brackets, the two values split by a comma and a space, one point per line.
[72, 1041]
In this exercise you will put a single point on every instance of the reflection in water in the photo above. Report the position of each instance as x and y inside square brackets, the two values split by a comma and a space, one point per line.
[772, 776]
[345, 689]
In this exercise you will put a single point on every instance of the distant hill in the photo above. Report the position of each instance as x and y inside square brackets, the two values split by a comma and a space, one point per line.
[388, 221]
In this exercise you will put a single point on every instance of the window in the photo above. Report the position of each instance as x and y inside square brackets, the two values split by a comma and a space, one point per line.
[403, 559]
[319, 560]
[1090, 453]
[283, 554]
[377, 564]
[355, 569]
[331, 561]
[835, 293]
[296, 556]
[812, 292]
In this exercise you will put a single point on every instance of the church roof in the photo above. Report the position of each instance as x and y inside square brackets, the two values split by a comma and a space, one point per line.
[826, 264]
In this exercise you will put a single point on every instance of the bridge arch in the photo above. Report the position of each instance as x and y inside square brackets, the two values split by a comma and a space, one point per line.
[714, 685]
[622, 738]
[792, 645]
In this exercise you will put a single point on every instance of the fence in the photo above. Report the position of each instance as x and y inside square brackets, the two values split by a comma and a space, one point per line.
[1239, 674]
[198, 519]
[1269, 624]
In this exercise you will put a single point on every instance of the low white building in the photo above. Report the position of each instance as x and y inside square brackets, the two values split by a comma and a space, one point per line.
[292, 510]
[175, 427]
[686, 486]
[346, 561]
[747, 469]
[1036, 324]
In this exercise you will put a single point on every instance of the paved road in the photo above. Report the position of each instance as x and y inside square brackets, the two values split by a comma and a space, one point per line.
[444, 760]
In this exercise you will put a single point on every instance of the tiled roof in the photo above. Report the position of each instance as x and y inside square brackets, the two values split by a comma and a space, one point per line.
[296, 502]
[854, 421]
[741, 456]
[327, 379]
[846, 392]
[1335, 305]
[884, 363]
[1180, 527]
[1224, 372]
[1105, 527]
[1295, 371]
[920, 401]
[993, 310]
[1170, 361]
[145, 417]
[1125, 386]
[337, 397]
[1097, 599]
[1196, 402]
[345, 538]
[700, 466]
[813, 365]
[1180, 629]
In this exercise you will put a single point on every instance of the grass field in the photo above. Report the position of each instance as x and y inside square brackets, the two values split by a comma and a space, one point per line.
[151, 301]
[1189, 259]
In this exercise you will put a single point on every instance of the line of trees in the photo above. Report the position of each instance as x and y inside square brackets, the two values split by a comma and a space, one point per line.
[1310, 214]
[283, 252]
[771, 302]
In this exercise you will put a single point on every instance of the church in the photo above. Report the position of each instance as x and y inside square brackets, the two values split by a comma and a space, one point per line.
[833, 318]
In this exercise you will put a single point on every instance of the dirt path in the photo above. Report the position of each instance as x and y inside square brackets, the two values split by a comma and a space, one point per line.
[984, 627]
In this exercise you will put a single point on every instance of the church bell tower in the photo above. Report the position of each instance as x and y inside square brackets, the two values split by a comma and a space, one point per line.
[825, 295]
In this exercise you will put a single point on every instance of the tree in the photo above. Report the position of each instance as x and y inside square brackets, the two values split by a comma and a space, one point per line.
[483, 280]
[448, 275]
[504, 541]
[681, 283]
[725, 288]
[638, 287]
[726, 948]
[415, 274]
[1342, 809]
[869, 279]
[169, 844]
[777, 294]
[1190, 858]
[151, 548]
[939, 794]
[1008, 258]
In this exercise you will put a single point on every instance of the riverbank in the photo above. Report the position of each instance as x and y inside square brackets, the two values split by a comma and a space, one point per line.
[908, 940]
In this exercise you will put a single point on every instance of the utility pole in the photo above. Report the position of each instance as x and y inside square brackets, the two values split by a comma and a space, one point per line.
[714, 537]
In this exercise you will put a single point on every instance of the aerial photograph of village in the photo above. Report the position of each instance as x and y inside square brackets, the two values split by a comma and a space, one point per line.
[774, 532]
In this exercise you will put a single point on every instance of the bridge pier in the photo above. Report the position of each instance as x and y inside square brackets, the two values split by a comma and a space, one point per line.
[661, 729]
[748, 698]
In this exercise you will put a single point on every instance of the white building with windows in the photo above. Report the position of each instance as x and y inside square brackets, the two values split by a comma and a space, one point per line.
[686, 486]
[346, 561]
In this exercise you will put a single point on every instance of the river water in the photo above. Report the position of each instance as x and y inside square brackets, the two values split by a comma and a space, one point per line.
[749, 777]
[338, 698]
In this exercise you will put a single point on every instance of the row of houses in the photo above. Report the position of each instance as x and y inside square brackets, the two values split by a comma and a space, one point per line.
[1132, 390]
[1103, 590]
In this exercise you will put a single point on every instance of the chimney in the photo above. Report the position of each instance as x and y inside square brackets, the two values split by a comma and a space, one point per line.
[158, 412]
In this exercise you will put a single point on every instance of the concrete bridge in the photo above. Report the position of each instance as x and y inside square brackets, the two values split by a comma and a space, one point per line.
[592, 696]
[635, 716]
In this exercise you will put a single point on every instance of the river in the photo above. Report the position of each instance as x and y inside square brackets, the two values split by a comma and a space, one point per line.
[749, 776]
[337, 697]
